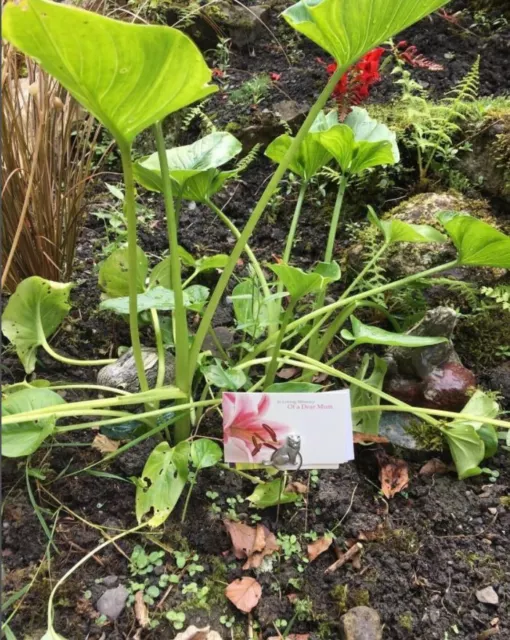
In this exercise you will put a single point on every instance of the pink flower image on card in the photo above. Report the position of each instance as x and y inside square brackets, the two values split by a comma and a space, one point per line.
[249, 435]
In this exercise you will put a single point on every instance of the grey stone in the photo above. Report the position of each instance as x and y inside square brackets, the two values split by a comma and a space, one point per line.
[122, 373]
[487, 596]
[393, 426]
[111, 581]
[361, 623]
[242, 24]
[111, 604]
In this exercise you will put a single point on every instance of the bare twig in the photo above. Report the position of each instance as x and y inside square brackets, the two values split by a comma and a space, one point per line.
[345, 557]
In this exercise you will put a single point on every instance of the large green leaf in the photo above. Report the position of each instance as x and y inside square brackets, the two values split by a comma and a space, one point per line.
[162, 481]
[483, 405]
[398, 231]
[127, 75]
[269, 494]
[365, 334]
[158, 298]
[347, 29]
[368, 422]
[205, 453]
[229, 379]
[296, 281]
[33, 312]
[24, 438]
[467, 449]
[359, 143]
[113, 273]
[193, 167]
[477, 243]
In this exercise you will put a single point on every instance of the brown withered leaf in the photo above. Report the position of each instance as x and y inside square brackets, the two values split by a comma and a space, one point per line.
[104, 444]
[393, 474]
[287, 373]
[252, 543]
[374, 534]
[244, 593]
[317, 547]
[194, 633]
[433, 466]
[367, 438]
[296, 487]
[293, 636]
[141, 611]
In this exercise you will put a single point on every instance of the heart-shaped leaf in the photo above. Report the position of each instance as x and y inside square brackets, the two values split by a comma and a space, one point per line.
[113, 273]
[349, 28]
[477, 243]
[398, 231]
[244, 593]
[205, 453]
[296, 281]
[158, 298]
[269, 494]
[467, 449]
[127, 75]
[229, 379]
[365, 334]
[24, 438]
[193, 167]
[33, 313]
[162, 482]
[330, 271]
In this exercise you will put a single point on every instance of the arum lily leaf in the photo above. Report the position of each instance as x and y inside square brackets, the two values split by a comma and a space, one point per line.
[350, 28]
[250, 308]
[162, 482]
[398, 231]
[467, 449]
[296, 281]
[160, 275]
[368, 130]
[23, 438]
[365, 334]
[229, 379]
[157, 298]
[330, 271]
[113, 273]
[477, 243]
[205, 453]
[483, 405]
[269, 494]
[368, 422]
[128, 76]
[339, 142]
[193, 167]
[33, 313]
[293, 387]
[195, 297]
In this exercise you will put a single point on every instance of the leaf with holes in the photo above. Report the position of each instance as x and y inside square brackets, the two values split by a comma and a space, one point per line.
[33, 313]
[127, 75]
[23, 438]
[244, 593]
[163, 479]
[113, 273]
[350, 28]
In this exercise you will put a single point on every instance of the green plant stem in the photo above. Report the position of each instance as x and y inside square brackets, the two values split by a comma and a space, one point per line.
[342, 354]
[328, 255]
[365, 269]
[255, 217]
[237, 234]
[72, 361]
[273, 364]
[293, 225]
[182, 379]
[93, 387]
[130, 211]
[160, 379]
[188, 496]
[247, 476]
[263, 346]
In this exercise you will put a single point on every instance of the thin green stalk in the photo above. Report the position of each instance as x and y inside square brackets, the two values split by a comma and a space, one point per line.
[365, 269]
[182, 379]
[160, 379]
[130, 211]
[188, 496]
[273, 364]
[293, 225]
[237, 234]
[73, 361]
[342, 354]
[255, 217]
[247, 476]
[93, 387]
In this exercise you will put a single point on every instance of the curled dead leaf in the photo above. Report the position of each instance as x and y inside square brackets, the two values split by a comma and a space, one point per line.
[287, 373]
[193, 633]
[317, 547]
[393, 474]
[252, 543]
[104, 444]
[367, 438]
[141, 611]
[296, 487]
[293, 636]
[244, 593]
[433, 466]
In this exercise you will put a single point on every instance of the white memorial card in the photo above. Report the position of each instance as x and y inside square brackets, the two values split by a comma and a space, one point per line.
[305, 430]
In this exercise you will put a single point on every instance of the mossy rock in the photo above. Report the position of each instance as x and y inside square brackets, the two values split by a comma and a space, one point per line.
[491, 5]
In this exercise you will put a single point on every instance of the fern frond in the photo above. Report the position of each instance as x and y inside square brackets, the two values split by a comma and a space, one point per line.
[245, 162]
[207, 125]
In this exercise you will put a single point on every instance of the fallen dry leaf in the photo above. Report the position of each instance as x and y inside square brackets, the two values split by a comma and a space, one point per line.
[374, 534]
[320, 545]
[293, 636]
[141, 611]
[252, 543]
[367, 438]
[296, 487]
[193, 633]
[393, 474]
[287, 373]
[433, 466]
[244, 593]
[320, 377]
[104, 444]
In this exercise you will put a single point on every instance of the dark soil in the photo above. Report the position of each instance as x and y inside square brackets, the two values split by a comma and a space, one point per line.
[440, 541]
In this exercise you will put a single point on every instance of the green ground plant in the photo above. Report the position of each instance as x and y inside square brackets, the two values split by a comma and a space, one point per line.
[283, 317]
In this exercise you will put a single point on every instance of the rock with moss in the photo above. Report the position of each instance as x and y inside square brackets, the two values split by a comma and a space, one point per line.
[122, 373]
[361, 623]
[242, 24]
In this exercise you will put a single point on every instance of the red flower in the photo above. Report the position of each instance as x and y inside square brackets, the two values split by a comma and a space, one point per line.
[275, 76]
[217, 73]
